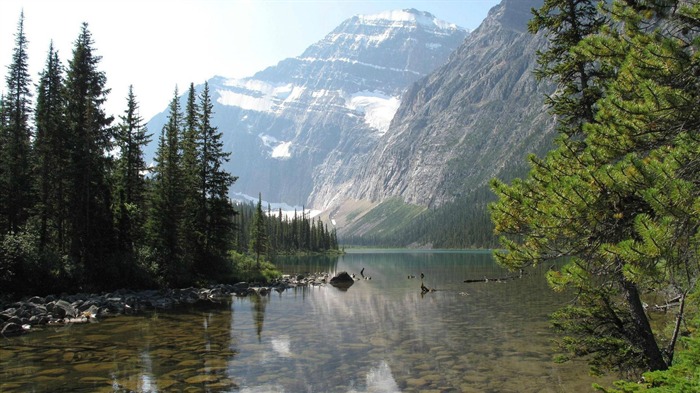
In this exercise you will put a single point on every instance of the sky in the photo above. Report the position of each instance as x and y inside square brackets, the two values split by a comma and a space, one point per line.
[158, 45]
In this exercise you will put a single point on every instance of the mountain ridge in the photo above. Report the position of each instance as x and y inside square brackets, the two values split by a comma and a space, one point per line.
[335, 99]
[447, 126]
[475, 118]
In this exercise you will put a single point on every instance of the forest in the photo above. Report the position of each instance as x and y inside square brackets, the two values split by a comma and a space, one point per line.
[617, 200]
[81, 210]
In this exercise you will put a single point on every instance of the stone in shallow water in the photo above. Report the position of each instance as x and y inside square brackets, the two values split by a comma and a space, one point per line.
[53, 371]
[11, 329]
[222, 384]
[6, 355]
[468, 388]
[179, 374]
[93, 367]
[164, 383]
[424, 367]
[432, 378]
[198, 379]
[215, 363]
[416, 382]
[189, 363]
[47, 379]
[95, 380]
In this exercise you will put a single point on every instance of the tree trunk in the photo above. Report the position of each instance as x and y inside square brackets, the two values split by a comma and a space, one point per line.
[655, 358]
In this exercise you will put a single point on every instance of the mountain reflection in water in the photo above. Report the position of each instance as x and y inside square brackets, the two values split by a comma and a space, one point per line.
[380, 335]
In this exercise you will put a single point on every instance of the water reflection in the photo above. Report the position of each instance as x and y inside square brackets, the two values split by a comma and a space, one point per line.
[281, 345]
[382, 335]
[258, 304]
[380, 380]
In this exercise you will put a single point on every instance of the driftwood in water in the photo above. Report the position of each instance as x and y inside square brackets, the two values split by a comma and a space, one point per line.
[486, 279]
[497, 279]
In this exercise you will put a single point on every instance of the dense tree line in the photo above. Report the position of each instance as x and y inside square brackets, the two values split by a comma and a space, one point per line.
[464, 223]
[618, 198]
[269, 232]
[79, 207]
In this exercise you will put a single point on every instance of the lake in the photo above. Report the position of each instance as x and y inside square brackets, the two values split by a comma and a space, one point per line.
[379, 335]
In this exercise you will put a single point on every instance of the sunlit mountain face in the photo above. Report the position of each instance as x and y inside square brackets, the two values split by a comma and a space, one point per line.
[291, 126]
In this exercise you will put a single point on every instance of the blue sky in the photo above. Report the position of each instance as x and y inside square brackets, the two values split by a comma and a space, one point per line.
[156, 45]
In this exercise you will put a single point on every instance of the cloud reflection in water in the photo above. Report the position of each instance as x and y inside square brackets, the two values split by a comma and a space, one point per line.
[281, 345]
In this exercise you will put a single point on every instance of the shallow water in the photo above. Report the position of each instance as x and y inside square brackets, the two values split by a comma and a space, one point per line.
[379, 335]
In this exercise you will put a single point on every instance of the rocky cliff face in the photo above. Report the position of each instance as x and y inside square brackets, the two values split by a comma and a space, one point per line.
[313, 117]
[474, 118]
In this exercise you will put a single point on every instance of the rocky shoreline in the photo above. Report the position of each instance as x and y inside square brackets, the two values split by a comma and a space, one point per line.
[25, 315]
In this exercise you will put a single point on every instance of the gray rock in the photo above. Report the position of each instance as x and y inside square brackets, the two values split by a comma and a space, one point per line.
[241, 288]
[14, 319]
[87, 304]
[343, 280]
[11, 329]
[62, 308]
[37, 300]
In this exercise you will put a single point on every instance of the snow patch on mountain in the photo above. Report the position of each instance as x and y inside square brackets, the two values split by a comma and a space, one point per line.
[378, 108]
[282, 150]
[277, 149]
[356, 62]
[257, 95]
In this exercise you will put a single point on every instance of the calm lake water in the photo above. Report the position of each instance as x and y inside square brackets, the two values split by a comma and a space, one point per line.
[379, 335]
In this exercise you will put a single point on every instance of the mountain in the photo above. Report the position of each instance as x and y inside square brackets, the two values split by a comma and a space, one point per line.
[474, 118]
[466, 122]
[312, 118]
[393, 125]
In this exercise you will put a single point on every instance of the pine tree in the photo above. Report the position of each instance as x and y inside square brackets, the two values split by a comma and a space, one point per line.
[622, 206]
[166, 201]
[258, 232]
[215, 182]
[566, 23]
[15, 156]
[90, 199]
[130, 181]
[51, 152]
[192, 230]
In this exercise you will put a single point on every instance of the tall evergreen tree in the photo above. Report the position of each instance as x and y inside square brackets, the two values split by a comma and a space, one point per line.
[90, 199]
[51, 152]
[15, 183]
[130, 183]
[192, 230]
[166, 199]
[215, 182]
[258, 232]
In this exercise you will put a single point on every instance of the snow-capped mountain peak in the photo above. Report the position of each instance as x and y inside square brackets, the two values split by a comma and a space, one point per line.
[425, 19]
[333, 102]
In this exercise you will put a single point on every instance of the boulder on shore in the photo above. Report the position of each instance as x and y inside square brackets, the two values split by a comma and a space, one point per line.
[343, 280]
